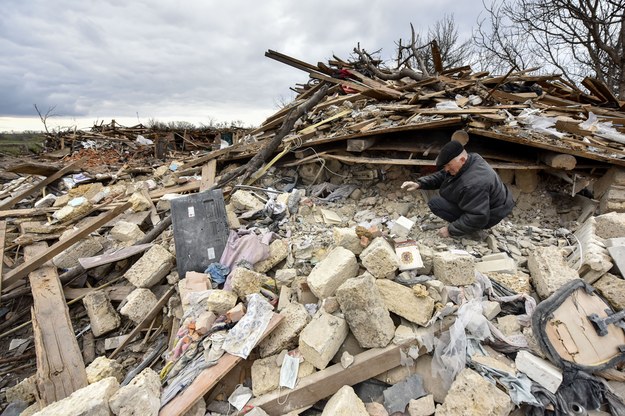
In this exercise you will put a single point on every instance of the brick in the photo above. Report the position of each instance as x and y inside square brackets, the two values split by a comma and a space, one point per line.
[138, 304]
[518, 282]
[278, 251]
[235, 313]
[380, 259]
[90, 400]
[103, 367]
[613, 289]
[321, 339]
[499, 262]
[401, 300]
[126, 232]
[471, 394]
[365, 312]
[244, 201]
[153, 266]
[549, 270]
[345, 402]
[347, 238]
[423, 406]
[102, 315]
[539, 370]
[142, 396]
[266, 374]
[454, 269]
[339, 265]
[221, 301]
[246, 282]
[285, 336]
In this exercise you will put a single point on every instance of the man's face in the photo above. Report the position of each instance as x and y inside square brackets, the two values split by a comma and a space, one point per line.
[454, 165]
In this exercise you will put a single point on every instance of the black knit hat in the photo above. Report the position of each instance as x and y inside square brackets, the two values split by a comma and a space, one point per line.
[448, 152]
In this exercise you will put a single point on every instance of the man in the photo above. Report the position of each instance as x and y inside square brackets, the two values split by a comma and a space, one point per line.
[472, 196]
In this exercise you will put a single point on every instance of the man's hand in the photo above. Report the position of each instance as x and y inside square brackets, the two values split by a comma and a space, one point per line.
[443, 232]
[410, 186]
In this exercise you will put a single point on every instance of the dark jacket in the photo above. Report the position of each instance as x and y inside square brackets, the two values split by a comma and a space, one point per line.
[477, 190]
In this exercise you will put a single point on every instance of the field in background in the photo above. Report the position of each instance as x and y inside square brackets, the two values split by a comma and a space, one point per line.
[16, 144]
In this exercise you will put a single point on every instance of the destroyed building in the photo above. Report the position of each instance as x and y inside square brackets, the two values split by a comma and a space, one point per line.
[282, 269]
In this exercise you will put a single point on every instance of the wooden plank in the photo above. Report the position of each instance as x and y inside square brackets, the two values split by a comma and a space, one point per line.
[202, 159]
[208, 175]
[146, 321]
[3, 232]
[8, 204]
[326, 382]
[26, 212]
[187, 187]
[60, 367]
[208, 378]
[123, 253]
[37, 261]
[547, 146]
[115, 293]
[313, 127]
[422, 162]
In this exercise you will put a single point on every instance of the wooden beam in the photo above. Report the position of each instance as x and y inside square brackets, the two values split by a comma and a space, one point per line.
[326, 382]
[208, 378]
[8, 204]
[38, 260]
[60, 367]
[187, 187]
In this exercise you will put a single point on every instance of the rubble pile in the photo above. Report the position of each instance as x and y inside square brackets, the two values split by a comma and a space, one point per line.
[287, 272]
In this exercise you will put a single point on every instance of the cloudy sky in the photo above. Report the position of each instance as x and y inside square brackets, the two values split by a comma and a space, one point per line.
[196, 60]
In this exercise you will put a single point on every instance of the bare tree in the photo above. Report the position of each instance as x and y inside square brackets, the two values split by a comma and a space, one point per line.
[44, 117]
[425, 54]
[578, 38]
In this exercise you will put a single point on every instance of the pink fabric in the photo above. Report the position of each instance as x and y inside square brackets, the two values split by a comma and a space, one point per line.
[247, 247]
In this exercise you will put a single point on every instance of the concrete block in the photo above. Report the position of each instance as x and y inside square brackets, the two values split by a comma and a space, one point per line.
[339, 265]
[193, 282]
[46, 202]
[70, 211]
[90, 400]
[610, 225]
[126, 232]
[365, 312]
[278, 251]
[427, 257]
[379, 259]
[285, 277]
[376, 409]
[402, 300]
[347, 238]
[221, 301]
[402, 226]
[244, 201]
[86, 247]
[454, 269]
[506, 175]
[330, 305]
[471, 394]
[153, 266]
[499, 262]
[102, 315]
[139, 202]
[138, 304]
[25, 391]
[285, 298]
[266, 374]
[103, 367]
[490, 309]
[509, 325]
[204, 322]
[612, 288]
[350, 346]
[526, 180]
[549, 270]
[518, 282]
[285, 336]
[541, 371]
[423, 406]
[345, 402]
[246, 282]
[321, 339]
[303, 293]
[142, 396]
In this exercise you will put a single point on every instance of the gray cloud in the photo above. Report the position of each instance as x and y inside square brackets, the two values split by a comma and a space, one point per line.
[195, 58]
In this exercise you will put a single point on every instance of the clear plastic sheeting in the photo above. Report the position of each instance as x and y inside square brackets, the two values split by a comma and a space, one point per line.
[538, 123]
[603, 129]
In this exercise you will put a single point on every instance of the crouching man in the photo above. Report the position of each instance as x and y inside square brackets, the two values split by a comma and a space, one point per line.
[472, 196]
